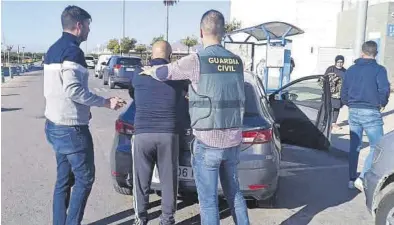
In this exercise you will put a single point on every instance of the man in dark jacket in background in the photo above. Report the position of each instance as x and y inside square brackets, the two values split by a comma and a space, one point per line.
[365, 91]
[159, 111]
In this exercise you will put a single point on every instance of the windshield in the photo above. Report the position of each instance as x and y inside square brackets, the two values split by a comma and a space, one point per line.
[129, 61]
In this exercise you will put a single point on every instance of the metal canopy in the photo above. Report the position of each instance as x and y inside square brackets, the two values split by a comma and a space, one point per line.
[268, 31]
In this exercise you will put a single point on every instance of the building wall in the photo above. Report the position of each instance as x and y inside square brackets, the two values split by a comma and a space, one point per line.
[379, 16]
[389, 47]
[318, 18]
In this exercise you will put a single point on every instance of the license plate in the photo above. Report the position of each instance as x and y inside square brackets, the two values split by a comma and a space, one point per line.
[184, 173]
[129, 69]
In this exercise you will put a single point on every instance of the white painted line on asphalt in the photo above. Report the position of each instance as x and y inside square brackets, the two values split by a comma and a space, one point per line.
[314, 168]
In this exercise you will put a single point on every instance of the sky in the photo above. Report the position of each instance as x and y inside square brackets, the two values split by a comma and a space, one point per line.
[36, 24]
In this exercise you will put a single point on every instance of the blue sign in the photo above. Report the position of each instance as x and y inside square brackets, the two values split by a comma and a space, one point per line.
[390, 30]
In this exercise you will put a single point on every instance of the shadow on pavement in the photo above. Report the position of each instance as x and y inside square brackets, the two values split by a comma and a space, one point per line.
[9, 109]
[13, 87]
[119, 216]
[9, 95]
[312, 181]
[342, 142]
[224, 212]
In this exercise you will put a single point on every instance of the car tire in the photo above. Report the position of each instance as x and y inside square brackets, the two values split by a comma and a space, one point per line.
[105, 82]
[384, 207]
[123, 190]
[111, 84]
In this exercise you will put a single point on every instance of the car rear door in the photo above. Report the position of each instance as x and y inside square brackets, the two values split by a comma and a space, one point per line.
[302, 109]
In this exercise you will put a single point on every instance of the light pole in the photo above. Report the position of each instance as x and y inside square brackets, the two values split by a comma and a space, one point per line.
[18, 55]
[123, 25]
[23, 54]
[362, 10]
[9, 48]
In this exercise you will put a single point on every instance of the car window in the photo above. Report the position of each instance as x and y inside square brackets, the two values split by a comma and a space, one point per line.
[310, 90]
[129, 61]
[251, 101]
[89, 58]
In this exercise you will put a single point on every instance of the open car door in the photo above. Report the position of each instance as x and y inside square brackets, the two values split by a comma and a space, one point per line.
[302, 109]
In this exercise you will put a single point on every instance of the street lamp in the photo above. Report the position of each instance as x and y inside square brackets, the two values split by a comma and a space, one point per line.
[23, 54]
[9, 48]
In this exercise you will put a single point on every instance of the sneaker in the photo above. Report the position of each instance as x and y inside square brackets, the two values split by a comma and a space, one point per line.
[351, 185]
[359, 184]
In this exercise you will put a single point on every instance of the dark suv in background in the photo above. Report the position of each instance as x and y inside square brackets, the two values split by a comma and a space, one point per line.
[120, 69]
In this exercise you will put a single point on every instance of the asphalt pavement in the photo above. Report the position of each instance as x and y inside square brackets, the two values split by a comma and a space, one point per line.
[313, 187]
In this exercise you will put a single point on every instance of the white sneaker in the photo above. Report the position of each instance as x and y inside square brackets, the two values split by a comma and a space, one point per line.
[351, 185]
[359, 184]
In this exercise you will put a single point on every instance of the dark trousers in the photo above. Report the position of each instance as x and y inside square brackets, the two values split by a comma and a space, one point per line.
[150, 149]
[336, 106]
[73, 146]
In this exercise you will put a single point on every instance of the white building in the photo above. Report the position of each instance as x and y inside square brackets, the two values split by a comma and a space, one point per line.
[312, 51]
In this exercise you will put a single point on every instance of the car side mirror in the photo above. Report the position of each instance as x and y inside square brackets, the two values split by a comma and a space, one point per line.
[104, 63]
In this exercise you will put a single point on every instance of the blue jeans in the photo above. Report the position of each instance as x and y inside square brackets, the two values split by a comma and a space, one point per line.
[73, 146]
[371, 121]
[208, 163]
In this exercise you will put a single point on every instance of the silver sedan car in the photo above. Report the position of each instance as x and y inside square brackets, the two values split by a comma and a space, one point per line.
[299, 114]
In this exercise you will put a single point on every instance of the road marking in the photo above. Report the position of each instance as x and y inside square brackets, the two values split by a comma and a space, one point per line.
[100, 89]
[313, 168]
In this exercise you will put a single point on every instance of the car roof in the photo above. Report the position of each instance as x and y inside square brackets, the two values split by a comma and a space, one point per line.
[124, 56]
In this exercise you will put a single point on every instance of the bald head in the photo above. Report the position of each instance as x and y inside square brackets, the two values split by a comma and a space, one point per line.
[161, 49]
[212, 24]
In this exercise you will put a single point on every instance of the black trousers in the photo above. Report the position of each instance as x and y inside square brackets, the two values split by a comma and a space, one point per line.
[336, 106]
[150, 149]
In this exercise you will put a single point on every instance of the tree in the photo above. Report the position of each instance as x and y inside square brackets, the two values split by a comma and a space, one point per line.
[190, 42]
[113, 46]
[128, 44]
[159, 38]
[140, 49]
[169, 3]
[231, 26]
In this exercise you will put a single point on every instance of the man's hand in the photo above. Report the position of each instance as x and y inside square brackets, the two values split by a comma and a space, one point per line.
[115, 103]
[147, 70]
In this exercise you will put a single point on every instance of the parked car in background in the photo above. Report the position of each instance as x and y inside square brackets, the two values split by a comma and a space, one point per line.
[90, 61]
[99, 67]
[298, 114]
[120, 69]
[379, 182]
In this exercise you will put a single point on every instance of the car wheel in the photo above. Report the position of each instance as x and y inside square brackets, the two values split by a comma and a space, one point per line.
[111, 84]
[385, 210]
[123, 190]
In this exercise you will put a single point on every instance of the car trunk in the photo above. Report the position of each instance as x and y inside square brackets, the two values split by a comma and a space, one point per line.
[125, 67]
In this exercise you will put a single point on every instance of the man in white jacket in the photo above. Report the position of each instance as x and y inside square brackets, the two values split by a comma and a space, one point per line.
[68, 102]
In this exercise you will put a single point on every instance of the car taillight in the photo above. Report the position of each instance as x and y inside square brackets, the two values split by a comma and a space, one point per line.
[257, 136]
[117, 66]
[257, 186]
[124, 128]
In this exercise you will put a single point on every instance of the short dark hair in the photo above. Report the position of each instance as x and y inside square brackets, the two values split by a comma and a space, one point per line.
[73, 14]
[370, 48]
[212, 22]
